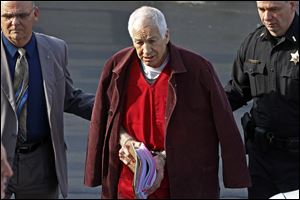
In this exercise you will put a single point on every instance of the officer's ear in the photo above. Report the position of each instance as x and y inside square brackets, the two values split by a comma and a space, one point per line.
[36, 13]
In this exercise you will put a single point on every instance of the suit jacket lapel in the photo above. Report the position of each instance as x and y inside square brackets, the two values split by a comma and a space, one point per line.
[6, 82]
[46, 60]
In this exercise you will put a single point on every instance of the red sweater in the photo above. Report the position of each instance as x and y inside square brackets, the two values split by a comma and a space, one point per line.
[144, 120]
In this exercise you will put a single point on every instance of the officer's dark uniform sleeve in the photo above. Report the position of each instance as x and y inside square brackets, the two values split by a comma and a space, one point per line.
[238, 88]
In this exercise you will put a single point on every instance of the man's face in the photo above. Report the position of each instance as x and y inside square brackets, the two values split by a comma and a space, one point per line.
[17, 20]
[151, 48]
[277, 16]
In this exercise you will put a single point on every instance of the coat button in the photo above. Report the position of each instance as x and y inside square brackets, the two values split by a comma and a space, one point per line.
[110, 113]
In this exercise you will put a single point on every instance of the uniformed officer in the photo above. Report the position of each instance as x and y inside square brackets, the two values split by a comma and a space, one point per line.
[266, 70]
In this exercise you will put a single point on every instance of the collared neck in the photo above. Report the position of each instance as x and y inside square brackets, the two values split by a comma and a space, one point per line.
[291, 34]
[153, 73]
[293, 31]
[12, 49]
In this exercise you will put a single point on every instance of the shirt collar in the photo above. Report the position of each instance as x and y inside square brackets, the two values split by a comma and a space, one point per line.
[292, 33]
[12, 49]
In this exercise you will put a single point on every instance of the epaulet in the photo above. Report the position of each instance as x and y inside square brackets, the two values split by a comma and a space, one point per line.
[260, 31]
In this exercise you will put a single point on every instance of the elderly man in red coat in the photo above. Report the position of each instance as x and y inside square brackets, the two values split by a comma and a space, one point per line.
[171, 100]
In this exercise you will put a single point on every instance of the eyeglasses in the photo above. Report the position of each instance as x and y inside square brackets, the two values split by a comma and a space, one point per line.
[20, 16]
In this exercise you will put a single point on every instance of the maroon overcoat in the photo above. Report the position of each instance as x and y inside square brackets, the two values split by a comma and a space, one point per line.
[198, 119]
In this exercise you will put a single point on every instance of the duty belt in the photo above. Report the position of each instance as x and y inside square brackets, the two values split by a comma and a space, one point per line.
[264, 137]
[291, 144]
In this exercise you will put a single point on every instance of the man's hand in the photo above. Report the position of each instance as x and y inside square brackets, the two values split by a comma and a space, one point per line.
[126, 154]
[160, 165]
[6, 171]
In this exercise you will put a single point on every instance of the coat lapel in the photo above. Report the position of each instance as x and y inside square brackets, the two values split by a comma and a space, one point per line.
[6, 82]
[46, 60]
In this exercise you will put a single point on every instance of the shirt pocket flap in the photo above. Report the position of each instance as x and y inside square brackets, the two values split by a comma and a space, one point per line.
[292, 73]
[254, 69]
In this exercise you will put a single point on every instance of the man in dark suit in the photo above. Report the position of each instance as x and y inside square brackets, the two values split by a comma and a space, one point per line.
[35, 149]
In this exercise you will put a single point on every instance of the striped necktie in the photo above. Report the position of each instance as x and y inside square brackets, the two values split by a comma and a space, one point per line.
[21, 92]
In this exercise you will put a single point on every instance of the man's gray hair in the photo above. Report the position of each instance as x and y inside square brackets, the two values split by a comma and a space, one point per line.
[147, 12]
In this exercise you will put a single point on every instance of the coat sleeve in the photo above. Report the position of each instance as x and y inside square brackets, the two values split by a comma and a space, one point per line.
[97, 130]
[238, 89]
[76, 101]
[235, 171]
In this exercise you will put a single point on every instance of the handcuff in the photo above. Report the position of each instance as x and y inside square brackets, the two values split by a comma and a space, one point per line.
[160, 153]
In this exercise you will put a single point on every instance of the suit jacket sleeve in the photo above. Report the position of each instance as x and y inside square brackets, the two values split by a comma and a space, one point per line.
[76, 101]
